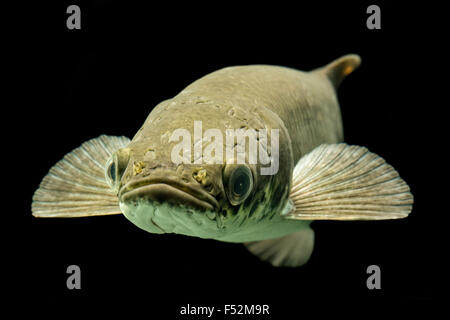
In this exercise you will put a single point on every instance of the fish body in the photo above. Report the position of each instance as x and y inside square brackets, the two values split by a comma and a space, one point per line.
[181, 171]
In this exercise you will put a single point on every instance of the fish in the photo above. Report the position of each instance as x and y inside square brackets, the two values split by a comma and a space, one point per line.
[175, 177]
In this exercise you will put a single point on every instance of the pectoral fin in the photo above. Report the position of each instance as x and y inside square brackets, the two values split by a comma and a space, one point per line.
[342, 182]
[76, 185]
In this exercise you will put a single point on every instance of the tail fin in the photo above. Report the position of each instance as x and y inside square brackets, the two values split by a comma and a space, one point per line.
[338, 69]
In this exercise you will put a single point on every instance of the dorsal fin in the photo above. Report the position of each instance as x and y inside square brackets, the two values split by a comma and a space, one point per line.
[338, 69]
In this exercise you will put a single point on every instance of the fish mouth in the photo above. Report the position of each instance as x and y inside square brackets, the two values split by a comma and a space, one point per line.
[167, 190]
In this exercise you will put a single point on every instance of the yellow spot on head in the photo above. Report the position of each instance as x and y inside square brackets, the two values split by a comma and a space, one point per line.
[200, 175]
[138, 167]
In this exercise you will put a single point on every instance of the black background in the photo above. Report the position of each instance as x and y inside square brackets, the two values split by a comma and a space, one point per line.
[106, 78]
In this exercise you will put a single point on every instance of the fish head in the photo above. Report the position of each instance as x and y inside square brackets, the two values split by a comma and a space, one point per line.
[182, 174]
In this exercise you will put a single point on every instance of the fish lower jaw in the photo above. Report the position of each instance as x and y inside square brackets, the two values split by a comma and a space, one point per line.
[155, 217]
[166, 193]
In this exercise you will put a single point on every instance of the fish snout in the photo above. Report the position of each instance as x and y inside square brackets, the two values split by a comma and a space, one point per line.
[172, 186]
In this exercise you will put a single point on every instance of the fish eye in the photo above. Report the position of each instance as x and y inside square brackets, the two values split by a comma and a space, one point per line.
[239, 180]
[116, 166]
[110, 172]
